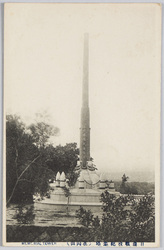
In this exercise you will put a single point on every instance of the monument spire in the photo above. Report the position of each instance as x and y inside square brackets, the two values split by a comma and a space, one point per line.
[85, 117]
[85, 90]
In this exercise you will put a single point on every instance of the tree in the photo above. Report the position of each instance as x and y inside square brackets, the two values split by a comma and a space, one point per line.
[41, 132]
[26, 158]
[113, 224]
[124, 219]
[123, 187]
[20, 154]
[31, 160]
[64, 159]
[142, 219]
[67, 195]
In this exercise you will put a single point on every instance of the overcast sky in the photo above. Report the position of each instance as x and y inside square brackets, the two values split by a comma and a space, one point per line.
[43, 71]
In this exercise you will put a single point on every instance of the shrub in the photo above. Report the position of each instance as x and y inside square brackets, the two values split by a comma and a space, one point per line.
[124, 219]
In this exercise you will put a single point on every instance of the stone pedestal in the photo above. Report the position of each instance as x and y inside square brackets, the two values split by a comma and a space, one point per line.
[78, 197]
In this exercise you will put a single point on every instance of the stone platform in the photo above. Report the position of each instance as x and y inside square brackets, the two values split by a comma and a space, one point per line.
[78, 197]
[87, 191]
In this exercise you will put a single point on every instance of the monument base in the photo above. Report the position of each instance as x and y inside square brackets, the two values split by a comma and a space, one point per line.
[87, 191]
[78, 197]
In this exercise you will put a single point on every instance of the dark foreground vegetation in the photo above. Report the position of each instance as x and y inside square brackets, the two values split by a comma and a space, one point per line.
[124, 218]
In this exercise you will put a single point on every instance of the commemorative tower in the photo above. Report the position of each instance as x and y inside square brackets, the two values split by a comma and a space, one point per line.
[85, 165]
[85, 116]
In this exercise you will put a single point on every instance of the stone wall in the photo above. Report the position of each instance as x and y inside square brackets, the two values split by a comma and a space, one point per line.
[47, 234]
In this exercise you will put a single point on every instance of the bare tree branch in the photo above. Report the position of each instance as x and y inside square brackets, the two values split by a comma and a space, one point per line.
[28, 167]
[19, 177]
[16, 159]
[26, 180]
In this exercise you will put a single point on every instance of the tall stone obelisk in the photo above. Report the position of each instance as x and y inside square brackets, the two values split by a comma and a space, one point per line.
[85, 117]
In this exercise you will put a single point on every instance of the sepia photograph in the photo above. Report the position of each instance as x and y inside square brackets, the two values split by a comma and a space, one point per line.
[82, 89]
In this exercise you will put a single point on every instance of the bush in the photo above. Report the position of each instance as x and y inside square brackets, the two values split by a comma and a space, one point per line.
[85, 217]
[124, 219]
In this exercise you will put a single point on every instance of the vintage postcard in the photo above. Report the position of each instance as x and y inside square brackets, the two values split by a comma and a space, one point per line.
[82, 124]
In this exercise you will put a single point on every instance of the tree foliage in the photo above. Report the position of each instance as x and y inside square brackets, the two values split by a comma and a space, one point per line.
[123, 186]
[20, 152]
[142, 220]
[124, 219]
[41, 132]
[31, 160]
[64, 159]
